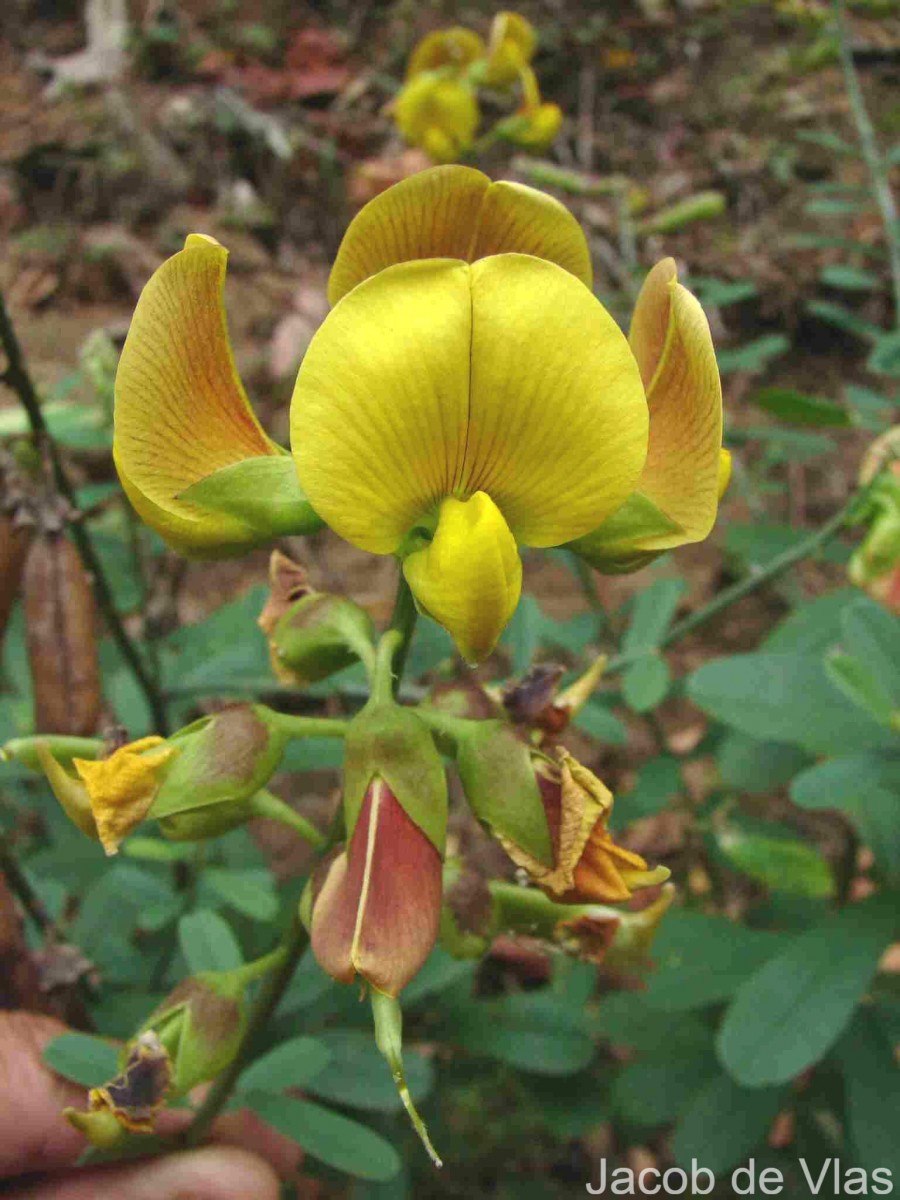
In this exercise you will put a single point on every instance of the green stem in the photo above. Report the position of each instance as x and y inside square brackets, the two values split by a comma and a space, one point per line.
[252, 971]
[274, 987]
[745, 587]
[265, 804]
[450, 727]
[305, 727]
[17, 377]
[403, 621]
[384, 680]
[881, 187]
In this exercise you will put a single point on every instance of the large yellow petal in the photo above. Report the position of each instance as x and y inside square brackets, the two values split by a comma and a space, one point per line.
[558, 420]
[469, 577]
[456, 212]
[380, 407]
[672, 344]
[181, 412]
[437, 379]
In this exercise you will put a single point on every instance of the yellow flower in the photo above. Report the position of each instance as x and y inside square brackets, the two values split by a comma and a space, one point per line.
[182, 416]
[588, 866]
[451, 49]
[533, 128]
[437, 113]
[111, 795]
[511, 47]
[500, 384]
[467, 395]
[686, 471]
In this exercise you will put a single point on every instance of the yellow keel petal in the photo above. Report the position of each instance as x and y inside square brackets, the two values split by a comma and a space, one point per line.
[469, 578]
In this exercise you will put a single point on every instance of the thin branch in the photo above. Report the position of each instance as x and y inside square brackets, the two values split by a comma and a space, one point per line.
[745, 587]
[18, 379]
[881, 187]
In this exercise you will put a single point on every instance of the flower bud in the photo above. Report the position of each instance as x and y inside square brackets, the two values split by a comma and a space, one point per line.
[377, 906]
[200, 1026]
[875, 565]
[221, 762]
[315, 634]
[587, 863]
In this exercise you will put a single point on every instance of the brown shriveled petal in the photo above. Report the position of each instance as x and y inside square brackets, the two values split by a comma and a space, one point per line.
[289, 582]
[588, 866]
[378, 911]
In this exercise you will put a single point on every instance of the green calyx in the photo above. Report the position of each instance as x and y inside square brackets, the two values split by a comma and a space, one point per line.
[498, 777]
[318, 635]
[391, 742]
[625, 540]
[222, 760]
[200, 1025]
[263, 492]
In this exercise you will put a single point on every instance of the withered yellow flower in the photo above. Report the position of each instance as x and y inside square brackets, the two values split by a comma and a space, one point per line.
[588, 865]
[110, 796]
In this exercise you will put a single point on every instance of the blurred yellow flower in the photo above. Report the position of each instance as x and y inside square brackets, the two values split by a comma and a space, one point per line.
[438, 114]
[455, 48]
[511, 47]
[111, 795]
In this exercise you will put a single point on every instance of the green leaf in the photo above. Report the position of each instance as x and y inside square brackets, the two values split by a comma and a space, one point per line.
[844, 319]
[358, 1076]
[885, 358]
[651, 615]
[798, 408]
[872, 635]
[703, 960]
[659, 781]
[813, 627]
[784, 864]
[870, 409]
[86, 1060]
[866, 788]
[871, 1093]
[723, 1122]
[755, 355]
[828, 207]
[850, 279]
[250, 892]
[718, 293]
[522, 635]
[332, 1139]
[264, 491]
[757, 767]
[601, 723]
[796, 1006]
[646, 683]
[828, 141]
[860, 685]
[532, 1032]
[293, 1064]
[309, 984]
[440, 971]
[207, 942]
[783, 697]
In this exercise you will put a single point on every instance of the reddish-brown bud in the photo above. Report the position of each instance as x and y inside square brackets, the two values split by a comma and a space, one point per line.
[378, 907]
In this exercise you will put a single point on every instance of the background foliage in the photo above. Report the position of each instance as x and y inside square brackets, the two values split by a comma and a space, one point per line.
[755, 753]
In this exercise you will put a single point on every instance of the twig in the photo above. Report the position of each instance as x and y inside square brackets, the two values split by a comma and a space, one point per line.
[881, 188]
[392, 650]
[778, 566]
[17, 377]
[28, 897]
